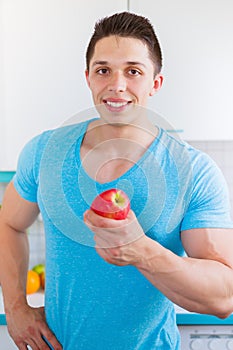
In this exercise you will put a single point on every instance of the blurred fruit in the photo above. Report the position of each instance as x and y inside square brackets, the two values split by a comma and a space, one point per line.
[42, 279]
[39, 268]
[33, 282]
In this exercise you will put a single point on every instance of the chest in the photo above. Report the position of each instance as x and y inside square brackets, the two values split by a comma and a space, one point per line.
[149, 178]
[111, 159]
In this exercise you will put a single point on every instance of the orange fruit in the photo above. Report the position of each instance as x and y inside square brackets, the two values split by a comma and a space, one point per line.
[33, 282]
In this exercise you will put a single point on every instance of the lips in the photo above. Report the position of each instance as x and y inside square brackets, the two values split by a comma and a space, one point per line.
[116, 104]
[113, 104]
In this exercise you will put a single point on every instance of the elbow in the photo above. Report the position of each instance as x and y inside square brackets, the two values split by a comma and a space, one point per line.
[223, 315]
[220, 307]
[223, 309]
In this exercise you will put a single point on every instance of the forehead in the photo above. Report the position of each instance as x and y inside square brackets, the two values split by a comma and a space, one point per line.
[122, 49]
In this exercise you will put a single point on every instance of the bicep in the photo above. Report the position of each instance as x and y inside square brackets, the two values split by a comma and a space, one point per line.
[209, 243]
[17, 212]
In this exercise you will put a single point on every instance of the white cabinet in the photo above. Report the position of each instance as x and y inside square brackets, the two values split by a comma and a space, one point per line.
[42, 53]
[196, 39]
[5, 340]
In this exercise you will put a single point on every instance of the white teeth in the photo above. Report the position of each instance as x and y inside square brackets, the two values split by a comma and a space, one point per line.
[116, 104]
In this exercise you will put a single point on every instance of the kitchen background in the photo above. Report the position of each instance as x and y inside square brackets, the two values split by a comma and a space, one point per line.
[42, 64]
[42, 84]
[220, 151]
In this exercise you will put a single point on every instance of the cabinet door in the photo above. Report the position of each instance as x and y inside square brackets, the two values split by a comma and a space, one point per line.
[5, 340]
[196, 40]
[43, 46]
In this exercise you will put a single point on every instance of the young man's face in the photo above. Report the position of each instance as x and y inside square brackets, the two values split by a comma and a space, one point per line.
[121, 75]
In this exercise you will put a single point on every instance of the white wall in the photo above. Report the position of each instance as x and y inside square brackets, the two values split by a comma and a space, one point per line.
[44, 63]
[196, 38]
[42, 48]
[2, 90]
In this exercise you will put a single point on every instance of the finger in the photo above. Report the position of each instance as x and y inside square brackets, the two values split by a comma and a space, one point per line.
[31, 345]
[100, 242]
[27, 344]
[96, 220]
[131, 215]
[93, 225]
[104, 255]
[34, 344]
[104, 240]
[21, 346]
[50, 339]
[110, 253]
[111, 256]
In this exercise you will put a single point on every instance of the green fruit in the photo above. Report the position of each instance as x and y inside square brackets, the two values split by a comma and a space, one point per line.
[40, 268]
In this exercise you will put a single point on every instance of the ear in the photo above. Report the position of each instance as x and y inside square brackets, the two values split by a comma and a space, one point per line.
[158, 82]
[87, 77]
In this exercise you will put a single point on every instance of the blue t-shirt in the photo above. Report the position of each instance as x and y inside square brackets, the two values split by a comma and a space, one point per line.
[90, 304]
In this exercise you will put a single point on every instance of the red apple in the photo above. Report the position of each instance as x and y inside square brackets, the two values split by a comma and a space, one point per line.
[113, 204]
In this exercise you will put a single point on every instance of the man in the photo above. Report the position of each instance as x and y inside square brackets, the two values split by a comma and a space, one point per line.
[110, 284]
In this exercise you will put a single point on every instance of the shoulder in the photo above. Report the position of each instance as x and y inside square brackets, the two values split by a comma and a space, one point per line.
[37, 145]
[180, 149]
[207, 195]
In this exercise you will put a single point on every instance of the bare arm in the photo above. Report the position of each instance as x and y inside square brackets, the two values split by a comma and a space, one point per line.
[201, 282]
[16, 215]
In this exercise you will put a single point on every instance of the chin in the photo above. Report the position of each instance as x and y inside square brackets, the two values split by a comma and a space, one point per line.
[130, 115]
[119, 119]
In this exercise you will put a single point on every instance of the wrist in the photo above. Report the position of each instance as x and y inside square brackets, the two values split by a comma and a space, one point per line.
[158, 260]
[13, 302]
[150, 251]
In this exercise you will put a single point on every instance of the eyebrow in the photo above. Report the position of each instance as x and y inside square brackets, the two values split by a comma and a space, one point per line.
[131, 63]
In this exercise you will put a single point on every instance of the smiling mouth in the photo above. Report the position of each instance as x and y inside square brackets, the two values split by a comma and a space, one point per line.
[116, 104]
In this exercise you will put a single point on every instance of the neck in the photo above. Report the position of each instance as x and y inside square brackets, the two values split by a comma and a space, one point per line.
[144, 133]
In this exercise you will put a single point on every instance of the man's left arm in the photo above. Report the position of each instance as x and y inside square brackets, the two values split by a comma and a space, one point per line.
[202, 282]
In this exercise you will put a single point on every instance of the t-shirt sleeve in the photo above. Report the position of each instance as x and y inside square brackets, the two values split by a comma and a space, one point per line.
[26, 179]
[209, 205]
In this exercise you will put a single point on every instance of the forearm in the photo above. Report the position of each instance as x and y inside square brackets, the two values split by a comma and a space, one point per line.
[26, 325]
[14, 254]
[198, 285]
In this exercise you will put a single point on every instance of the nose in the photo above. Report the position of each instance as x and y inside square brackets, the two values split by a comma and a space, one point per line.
[117, 82]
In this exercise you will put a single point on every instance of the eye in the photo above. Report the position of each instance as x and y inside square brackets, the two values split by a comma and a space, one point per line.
[102, 71]
[134, 71]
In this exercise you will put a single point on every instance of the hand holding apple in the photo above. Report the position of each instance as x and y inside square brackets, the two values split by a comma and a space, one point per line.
[118, 242]
[113, 204]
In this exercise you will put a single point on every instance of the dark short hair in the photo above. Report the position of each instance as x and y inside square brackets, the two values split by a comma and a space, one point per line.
[126, 24]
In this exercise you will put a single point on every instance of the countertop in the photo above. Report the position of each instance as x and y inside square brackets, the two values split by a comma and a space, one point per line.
[183, 317]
